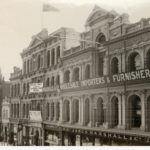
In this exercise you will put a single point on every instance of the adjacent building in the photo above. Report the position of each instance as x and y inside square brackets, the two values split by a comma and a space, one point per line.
[5, 118]
[95, 85]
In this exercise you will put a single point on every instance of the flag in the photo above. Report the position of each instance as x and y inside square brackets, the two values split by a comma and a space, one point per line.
[47, 7]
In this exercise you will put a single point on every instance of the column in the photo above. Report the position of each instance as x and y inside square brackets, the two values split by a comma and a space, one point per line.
[123, 111]
[119, 111]
[49, 115]
[123, 63]
[143, 111]
[55, 111]
[61, 118]
[79, 111]
[107, 108]
[105, 68]
[82, 116]
[71, 111]
[71, 74]
[91, 123]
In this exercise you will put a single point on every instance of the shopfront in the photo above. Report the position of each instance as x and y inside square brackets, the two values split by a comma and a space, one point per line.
[82, 137]
[35, 128]
[53, 135]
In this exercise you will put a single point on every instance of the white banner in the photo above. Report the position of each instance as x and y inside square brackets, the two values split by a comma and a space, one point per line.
[36, 87]
[35, 115]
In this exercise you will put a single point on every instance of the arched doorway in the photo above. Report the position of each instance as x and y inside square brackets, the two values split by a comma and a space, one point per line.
[76, 110]
[66, 111]
[87, 111]
[100, 112]
[114, 66]
[134, 110]
[134, 62]
[114, 111]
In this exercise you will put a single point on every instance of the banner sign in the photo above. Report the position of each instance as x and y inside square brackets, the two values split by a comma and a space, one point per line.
[35, 115]
[135, 75]
[36, 87]
[122, 77]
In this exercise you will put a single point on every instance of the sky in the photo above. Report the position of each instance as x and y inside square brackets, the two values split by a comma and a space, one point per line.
[21, 19]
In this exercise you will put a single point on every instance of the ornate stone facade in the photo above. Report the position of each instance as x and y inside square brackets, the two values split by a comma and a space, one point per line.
[100, 87]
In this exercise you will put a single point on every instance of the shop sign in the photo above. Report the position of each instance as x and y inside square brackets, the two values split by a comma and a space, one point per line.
[84, 83]
[36, 87]
[35, 115]
[124, 137]
[122, 77]
[135, 75]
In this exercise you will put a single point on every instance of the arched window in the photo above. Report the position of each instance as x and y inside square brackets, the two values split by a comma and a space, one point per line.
[52, 110]
[76, 74]
[57, 80]
[87, 72]
[24, 67]
[38, 106]
[31, 64]
[134, 111]
[53, 56]
[101, 39]
[76, 110]
[114, 111]
[48, 58]
[39, 61]
[99, 112]
[23, 110]
[58, 53]
[87, 111]
[66, 109]
[24, 88]
[148, 59]
[101, 64]
[57, 111]
[27, 87]
[115, 66]
[18, 89]
[52, 81]
[134, 62]
[15, 90]
[47, 82]
[67, 76]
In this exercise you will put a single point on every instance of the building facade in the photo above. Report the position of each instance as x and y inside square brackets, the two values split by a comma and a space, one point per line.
[95, 92]
[5, 118]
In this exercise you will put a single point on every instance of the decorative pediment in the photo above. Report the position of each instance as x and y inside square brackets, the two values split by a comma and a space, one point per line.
[98, 12]
[38, 38]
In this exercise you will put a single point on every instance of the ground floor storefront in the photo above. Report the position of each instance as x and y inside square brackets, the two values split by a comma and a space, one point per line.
[80, 136]
[64, 135]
